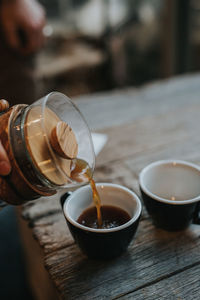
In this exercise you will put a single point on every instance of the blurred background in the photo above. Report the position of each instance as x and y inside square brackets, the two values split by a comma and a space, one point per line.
[96, 45]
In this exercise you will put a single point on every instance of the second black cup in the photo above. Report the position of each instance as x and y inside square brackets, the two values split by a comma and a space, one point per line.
[171, 193]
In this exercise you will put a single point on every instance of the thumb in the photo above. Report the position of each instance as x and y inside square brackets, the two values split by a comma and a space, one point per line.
[5, 166]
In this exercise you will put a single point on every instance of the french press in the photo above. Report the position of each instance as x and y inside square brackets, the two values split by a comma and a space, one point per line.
[44, 141]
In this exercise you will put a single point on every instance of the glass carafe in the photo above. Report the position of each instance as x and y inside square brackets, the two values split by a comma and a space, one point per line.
[37, 169]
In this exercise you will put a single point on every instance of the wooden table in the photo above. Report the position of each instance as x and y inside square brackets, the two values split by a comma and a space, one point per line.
[158, 121]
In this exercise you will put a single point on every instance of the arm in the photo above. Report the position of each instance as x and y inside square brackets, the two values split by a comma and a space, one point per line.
[22, 22]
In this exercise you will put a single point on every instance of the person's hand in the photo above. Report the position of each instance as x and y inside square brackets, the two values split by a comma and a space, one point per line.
[23, 21]
[5, 166]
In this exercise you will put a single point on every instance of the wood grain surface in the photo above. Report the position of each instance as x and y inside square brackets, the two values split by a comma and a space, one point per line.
[157, 121]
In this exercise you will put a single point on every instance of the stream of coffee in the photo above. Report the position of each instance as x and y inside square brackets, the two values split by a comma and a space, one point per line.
[81, 172]
[97, 202]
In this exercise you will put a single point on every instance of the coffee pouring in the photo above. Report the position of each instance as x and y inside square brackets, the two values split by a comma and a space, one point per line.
[46, 143]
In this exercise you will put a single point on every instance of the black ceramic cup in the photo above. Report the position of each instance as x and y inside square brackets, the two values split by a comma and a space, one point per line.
[171, 193]
[103, 243]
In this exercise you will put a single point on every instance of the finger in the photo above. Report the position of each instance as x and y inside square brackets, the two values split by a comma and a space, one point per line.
[12, 36]
[35, 40]
[5, 166]
[34, 33]
[38, 37]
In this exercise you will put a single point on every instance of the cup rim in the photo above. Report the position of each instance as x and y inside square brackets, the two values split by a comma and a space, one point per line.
[99, 231]
[167, 162]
